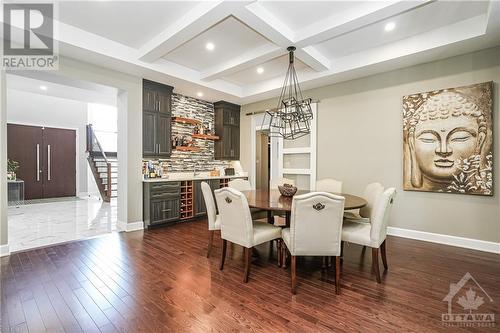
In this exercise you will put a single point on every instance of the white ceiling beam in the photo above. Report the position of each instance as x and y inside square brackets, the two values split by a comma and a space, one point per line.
[249, 59]
[353, 19]
[79, 44]
[313, 58]
[265, 23]
[197, 20]
[493, 15]
[436, 44]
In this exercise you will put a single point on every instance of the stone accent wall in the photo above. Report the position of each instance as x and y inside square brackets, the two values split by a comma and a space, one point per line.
[203, 160]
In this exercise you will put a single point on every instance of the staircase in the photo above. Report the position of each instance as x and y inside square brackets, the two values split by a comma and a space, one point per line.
[104, 166]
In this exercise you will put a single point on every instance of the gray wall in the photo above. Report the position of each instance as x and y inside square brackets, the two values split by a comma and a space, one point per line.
[41, 110]
[360, 141]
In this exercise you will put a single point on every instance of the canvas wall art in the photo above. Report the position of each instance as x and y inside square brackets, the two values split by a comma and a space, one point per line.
[448, 140]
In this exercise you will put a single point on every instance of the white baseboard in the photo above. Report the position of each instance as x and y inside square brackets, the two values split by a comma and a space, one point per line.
[132, 226]
[4, 250]
[467, 243]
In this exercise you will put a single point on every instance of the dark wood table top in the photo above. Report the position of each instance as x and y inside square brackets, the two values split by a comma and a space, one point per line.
[273, 200]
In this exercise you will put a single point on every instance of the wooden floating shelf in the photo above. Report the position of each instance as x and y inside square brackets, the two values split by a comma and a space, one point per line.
[205, 137]
[182, 148]
[186, 120]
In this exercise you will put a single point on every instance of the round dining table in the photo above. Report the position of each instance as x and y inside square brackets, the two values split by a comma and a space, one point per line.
[273, 201]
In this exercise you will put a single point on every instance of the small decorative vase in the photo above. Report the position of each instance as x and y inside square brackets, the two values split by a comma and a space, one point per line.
[287, 190]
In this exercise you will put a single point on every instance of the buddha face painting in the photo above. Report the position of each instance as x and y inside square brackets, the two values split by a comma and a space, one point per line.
[448, 140]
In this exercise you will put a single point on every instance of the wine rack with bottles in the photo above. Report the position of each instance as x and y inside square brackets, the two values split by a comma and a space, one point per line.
[187, 207]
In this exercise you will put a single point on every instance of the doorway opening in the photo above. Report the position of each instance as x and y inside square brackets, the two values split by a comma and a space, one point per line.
[63, 161]
[262, 160]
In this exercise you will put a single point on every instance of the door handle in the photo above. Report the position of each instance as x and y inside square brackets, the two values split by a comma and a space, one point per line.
[48, 162]
[37, 162]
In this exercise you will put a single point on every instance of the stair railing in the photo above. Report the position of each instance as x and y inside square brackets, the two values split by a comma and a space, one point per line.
[93, 147]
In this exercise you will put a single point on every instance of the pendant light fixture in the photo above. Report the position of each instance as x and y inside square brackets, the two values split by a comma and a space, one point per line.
[290, 119]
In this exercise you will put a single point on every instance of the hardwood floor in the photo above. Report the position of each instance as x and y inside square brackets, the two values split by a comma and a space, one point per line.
[161, 281]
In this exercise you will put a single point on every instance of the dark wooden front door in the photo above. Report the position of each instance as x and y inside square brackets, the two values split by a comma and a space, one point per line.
[59, 173]
[47, 158]
[24, 145]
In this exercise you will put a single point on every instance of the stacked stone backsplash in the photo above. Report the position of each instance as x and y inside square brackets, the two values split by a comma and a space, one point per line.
[182, 161]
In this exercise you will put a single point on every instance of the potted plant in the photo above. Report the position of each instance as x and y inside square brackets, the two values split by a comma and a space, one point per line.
[12, 167]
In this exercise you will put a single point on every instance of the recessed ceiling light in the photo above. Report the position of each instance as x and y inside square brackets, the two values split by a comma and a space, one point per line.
[43, 88]
[199, 94]
[390, 26]
[210, 46]
[260, 70]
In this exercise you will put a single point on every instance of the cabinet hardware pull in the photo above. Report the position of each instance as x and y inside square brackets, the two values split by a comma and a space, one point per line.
[166, 210]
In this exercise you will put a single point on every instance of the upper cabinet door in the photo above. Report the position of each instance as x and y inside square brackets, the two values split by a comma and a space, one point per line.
[164, 101]
[227, 127]
[149, 120]
[231, 117]
[227, 142]
[163, 135]
[149, 99]
[235, 143]
[156, 119]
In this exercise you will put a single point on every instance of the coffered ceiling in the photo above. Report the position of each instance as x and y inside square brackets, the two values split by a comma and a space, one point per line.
[336, 40]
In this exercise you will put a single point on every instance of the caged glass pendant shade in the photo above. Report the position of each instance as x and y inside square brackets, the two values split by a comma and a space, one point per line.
[290, 119]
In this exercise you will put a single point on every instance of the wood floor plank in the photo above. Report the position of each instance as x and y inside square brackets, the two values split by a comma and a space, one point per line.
[33, 318]
[161, 281]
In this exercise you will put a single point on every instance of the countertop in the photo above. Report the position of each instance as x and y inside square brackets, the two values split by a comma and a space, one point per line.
[178, 178]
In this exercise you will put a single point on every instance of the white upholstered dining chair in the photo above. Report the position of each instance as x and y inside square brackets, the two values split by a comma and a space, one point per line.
[315, 230]
[372, 234]
[240, 184]
[329, 185]
[213, 218]
[275, 182]
[237, 226]
[371, 193]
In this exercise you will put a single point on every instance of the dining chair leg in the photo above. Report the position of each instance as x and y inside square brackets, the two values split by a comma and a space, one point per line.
[285, 256]
[210, 242]
[375, 264]
[248, 259]
[337, 275]
[223, 254]
[382, 252]
[294, 274]
[341, 251]
[323, 266]
[279, 251]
